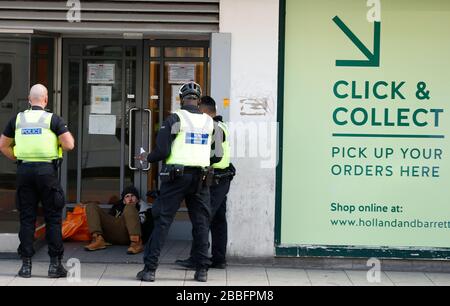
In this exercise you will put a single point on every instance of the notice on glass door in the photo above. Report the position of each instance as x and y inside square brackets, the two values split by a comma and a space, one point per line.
[181, 73]
[102, 125]
[101, 99]
[100, 73]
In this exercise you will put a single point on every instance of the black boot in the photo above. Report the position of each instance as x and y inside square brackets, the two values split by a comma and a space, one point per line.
[186, 263]
[25, 270]
[201, 275]
[56, 269]
[146, 275]
[218, 265]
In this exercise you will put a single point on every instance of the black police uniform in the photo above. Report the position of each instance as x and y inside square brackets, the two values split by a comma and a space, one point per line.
[219, 227]
[171, 195]
[38, 182]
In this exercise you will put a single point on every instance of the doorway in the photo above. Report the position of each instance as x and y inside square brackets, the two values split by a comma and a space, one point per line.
[116, 93]
[102, 96]
[24, 60]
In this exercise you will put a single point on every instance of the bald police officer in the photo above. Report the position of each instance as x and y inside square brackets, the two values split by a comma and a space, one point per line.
[35, 138]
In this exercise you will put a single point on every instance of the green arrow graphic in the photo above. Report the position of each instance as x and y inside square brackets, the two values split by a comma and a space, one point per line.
[373, 59]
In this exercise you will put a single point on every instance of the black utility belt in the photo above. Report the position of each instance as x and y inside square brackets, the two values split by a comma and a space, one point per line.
[34, 162]
[222, 174]
[170, 172]
[193, 170]
[229, 172]
[55, 162]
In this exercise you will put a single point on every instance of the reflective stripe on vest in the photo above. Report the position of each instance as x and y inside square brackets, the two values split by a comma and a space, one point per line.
[225, 162]
[34, 140]
[192, 145]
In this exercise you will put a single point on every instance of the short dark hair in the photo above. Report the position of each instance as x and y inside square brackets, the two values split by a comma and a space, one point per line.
[130, 189]
[208, 103]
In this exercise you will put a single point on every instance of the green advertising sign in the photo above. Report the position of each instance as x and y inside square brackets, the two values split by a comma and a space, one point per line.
[366, 124]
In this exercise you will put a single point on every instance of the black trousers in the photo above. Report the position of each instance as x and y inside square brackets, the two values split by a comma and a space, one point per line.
[38, 182]
[219, 226]
[164, 210]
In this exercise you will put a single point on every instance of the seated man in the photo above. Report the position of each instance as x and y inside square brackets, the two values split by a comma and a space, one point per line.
[121, 226]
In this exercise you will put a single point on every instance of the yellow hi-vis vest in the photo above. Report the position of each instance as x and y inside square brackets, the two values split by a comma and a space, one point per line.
[192, 145]
[34, 140]
[225, 161]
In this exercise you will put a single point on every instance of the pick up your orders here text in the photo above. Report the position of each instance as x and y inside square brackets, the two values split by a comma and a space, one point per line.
[354, 111]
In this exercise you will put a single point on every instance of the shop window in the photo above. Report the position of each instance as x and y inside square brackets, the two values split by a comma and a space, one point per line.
[41, 65]
[155, 52]
[184, 51]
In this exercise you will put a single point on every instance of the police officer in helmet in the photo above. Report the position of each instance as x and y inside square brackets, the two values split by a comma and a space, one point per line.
[184, 142]
[224, 172]
[35, 138]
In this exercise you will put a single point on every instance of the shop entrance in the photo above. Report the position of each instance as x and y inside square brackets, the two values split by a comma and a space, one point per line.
[24, 60]
[115, 95]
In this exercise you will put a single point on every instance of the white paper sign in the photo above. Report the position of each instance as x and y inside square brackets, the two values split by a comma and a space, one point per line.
[101, 99]
[181, 73]
[176, 104]
[102, 124]
[101, 73]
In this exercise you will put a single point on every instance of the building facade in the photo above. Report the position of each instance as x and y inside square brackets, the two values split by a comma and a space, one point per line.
[282, 74]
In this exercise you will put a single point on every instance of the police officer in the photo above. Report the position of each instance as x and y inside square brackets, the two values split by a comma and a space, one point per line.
[185, 143]
[223, 174]
[34, 138]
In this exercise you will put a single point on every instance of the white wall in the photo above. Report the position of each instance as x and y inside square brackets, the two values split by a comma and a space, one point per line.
[253, 25]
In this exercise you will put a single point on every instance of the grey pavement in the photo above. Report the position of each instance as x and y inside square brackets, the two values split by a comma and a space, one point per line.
[113, 267]
[100, 274]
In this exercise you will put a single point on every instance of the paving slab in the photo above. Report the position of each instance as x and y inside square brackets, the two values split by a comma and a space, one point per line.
[287, 277]
[8, 271]
[439, 279]
[359, 278]
[328, 278]
[90, 275]
[39, 277]
[247, 276]
[120, 275]
[409, 278]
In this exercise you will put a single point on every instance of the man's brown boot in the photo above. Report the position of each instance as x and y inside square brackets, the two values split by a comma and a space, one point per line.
[136, 245]
[98, 243]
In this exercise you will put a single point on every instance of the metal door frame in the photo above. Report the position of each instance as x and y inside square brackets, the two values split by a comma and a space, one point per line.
[67, 42]
[142, 123]
[162, 59]
[180, 230]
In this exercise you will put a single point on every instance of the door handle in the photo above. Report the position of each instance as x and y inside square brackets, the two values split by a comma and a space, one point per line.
[130, 138]
[149, 135]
